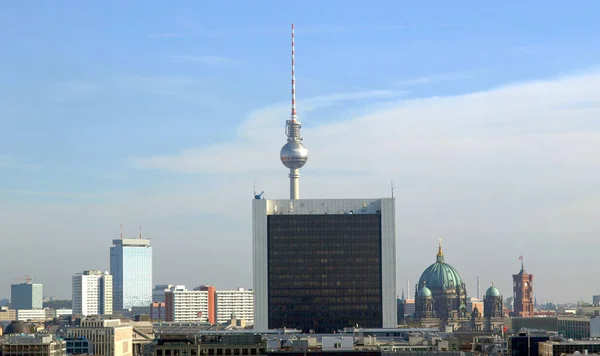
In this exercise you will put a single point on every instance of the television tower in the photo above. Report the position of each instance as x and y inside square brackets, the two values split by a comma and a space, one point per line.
[293, 154]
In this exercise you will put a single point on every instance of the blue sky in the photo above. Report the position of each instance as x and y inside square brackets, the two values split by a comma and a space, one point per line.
[150, 112]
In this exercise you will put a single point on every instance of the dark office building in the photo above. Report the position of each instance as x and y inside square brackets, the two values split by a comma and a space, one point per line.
[322, 265]
[523, 345]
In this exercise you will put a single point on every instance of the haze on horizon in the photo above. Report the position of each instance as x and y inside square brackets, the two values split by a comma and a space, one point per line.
[485, 117]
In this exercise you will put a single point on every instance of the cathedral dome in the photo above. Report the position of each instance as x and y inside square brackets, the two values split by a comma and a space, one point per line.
[424, 292]
[440, 275]
[492, 291]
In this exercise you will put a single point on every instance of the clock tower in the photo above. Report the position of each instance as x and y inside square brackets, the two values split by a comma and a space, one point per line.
[523, 293]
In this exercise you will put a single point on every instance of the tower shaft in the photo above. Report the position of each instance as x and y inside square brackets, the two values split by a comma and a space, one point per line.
[294, 184]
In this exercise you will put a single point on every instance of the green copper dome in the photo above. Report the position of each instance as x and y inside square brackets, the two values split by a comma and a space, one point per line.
[492, 292]
[424, 292]
[440, 275]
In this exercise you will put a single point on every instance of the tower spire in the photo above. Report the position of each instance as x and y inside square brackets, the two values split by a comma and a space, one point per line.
[440, 254]
[293, 154]
[293, 77]
[522, 265]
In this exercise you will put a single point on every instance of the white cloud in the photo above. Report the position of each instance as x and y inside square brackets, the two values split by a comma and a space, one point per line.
[497, 174]
[531, 121]
[481, 170]
[255, 138]
[441, 77]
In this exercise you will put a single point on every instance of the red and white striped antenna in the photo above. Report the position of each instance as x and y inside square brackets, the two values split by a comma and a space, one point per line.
[293, 78]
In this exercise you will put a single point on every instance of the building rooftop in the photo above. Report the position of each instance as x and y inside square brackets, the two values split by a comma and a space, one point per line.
[131, 242]
[208, 329]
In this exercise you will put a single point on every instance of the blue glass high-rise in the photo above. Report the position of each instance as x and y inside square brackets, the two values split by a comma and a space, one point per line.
[131, 268]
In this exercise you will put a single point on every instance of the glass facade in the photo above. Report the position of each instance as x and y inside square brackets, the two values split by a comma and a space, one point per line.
[26, 296]
[324, 271]
[131, 268]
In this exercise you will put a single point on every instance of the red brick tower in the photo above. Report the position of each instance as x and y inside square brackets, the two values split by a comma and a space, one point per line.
[523, 292]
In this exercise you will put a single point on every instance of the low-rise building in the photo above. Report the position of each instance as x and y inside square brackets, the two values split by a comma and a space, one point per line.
[579, 326]
[108, 337]
[210, 343]
[554, 348]
[7, 314]
[25, 345]
[31, 314]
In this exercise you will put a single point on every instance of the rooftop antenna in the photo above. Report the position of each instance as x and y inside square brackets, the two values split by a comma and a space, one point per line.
[293, 154]
[478, 287]
[121, 231]
[392, 186]
[258, 196]
[140, 231]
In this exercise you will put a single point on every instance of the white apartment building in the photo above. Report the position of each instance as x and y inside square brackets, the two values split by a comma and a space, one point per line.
[92, 293]
[31, 314]
[239, 302]
[57, 313]
[182, 305]
[108, 337]
[60, 312]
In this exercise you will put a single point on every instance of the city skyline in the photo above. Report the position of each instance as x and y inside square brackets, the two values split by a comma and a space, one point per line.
[485, 119]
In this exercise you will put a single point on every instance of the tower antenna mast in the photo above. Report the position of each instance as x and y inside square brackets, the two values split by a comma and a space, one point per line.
[293, 117]
[293, 154]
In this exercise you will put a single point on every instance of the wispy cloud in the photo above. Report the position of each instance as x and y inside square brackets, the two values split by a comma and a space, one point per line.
[71, 196]
[441, 77]
[254, 134]
[204, 59]
[179, 87]
[511, 158]
[497, 122]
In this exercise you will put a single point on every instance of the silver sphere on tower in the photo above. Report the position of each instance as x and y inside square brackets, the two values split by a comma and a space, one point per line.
[293, 155]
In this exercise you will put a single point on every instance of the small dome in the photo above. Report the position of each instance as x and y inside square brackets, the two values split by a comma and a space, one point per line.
[424, 292]
[492, 292]
[16, 327]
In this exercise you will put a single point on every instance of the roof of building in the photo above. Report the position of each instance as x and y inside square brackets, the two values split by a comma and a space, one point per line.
[16, 327]
[440, 275]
